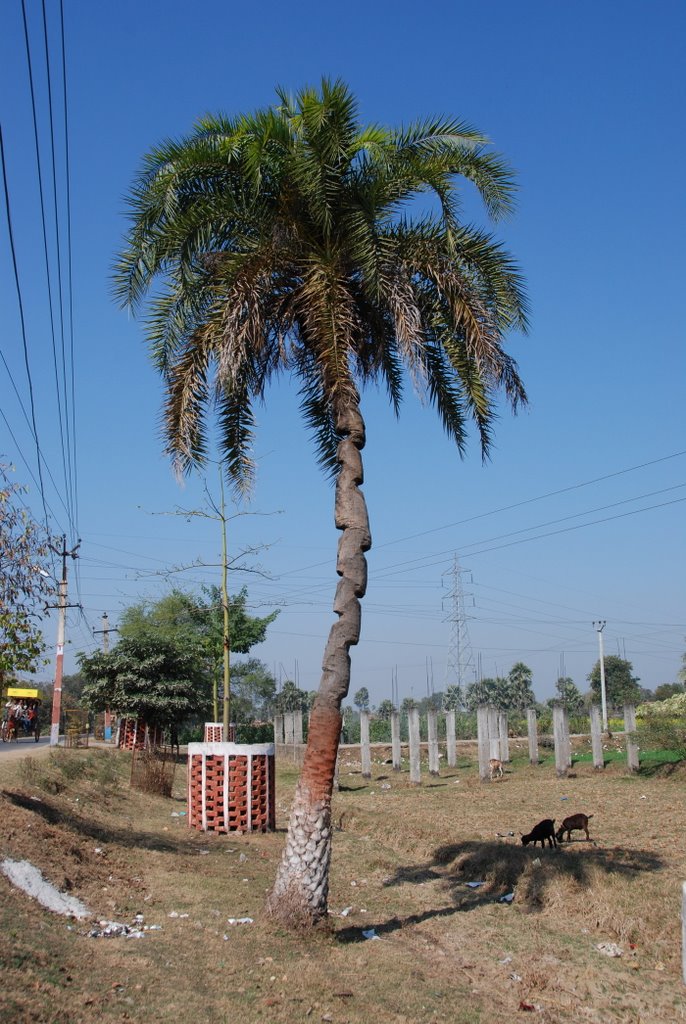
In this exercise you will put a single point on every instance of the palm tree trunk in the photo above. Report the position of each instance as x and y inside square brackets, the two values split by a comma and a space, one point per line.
[299, 895]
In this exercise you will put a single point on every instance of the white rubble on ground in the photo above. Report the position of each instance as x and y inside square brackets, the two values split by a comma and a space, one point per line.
[23, 875]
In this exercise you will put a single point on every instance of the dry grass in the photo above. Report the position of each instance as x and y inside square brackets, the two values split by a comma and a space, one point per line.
[446, 952]
[152, 771]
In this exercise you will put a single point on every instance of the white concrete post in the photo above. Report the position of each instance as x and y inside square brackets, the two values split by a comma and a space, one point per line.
[631, 744]
[561, 742]
[597, 737]
[395, 740]
[432, 725]
[450, 744]
[568, 740]
[532, 730]
[413, 724]
[365, 749]
[298, 727]
[494, 732]
[278, 728]
[288, 729]
[484, 741]
[503, 738]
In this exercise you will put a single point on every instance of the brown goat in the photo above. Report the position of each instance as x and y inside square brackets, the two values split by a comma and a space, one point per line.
[574, 821]
[495, 767]
[539, 833]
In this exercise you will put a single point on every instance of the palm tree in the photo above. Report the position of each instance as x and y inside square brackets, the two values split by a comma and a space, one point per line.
[519, 687]
[288, 241]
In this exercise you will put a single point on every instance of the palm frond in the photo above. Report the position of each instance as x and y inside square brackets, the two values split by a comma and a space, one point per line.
[236, 432]
[315, 405]
[289, 239]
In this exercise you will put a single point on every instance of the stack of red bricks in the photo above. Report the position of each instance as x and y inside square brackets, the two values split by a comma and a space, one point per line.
[214, 733]
[231, 787]
[135, 734]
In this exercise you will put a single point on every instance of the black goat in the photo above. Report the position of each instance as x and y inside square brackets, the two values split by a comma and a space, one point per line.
[539, 833]
[574, 821]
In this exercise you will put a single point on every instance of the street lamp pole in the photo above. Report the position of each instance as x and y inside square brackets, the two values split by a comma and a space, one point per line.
[599, 626]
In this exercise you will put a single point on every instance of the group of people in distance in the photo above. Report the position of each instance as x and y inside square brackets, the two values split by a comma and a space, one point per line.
[20, 715]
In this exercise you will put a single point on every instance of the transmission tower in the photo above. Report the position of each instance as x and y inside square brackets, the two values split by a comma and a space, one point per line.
[460, 670]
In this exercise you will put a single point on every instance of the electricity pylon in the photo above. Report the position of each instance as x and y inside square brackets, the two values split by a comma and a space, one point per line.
[460, 670]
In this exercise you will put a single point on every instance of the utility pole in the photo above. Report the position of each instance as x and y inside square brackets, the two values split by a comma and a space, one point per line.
[106, 630]
[599, 626]
[59, 658]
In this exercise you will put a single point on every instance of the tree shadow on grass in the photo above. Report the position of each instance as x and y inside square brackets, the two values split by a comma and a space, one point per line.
[101, 833]
[660, 767]
[506, 868]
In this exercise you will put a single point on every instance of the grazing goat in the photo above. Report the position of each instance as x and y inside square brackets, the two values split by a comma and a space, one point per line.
[539, 833]
[495, 767]
[574, 821]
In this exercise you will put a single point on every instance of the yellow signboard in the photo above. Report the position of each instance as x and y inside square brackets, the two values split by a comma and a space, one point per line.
[23, 691]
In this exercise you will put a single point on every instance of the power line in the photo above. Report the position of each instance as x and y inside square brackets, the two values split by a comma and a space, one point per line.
[507, 508]
[23, 325]
[26, 463]
[41, 195]
[70, 284]
[58, 253]
[551, 522]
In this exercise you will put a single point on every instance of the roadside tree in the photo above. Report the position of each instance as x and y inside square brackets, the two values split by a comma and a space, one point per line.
[198, 620]
[568, 695]
[621, 686]
[26, 583]
[157, 679]
[361, 699]
[519, 694]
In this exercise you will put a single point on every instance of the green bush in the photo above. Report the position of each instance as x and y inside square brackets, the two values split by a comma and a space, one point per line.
[249, 733]
[675, 705]
[660, 728]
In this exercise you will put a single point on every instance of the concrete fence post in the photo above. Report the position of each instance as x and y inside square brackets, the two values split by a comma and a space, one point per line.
[413, 726]
[504, 740]
[483, 722]
[567, 738]
[450, 744]
[365, 749]
[395, 740]
[532, 730]
[561, 741]
[493, 732]
[278, 729]
[629, 737]
[289, 729]
[432, 726]
[596, 737]
[298, 727]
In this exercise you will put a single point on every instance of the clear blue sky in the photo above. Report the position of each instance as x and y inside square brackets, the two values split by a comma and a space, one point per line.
[587, 103]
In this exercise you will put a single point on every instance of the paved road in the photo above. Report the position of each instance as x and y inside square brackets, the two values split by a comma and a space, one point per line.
[24, 748]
